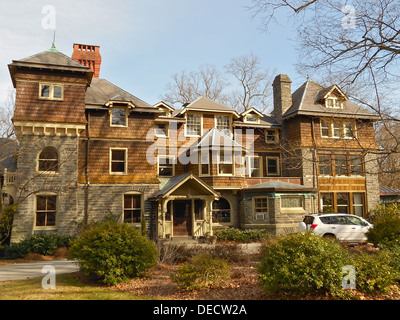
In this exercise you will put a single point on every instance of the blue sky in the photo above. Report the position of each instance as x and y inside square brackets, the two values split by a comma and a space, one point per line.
[143, 43]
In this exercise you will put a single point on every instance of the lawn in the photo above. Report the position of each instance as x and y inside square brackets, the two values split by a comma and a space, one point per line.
[68, 287]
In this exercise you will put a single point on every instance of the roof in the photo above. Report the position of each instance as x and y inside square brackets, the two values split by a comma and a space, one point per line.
[280, 186]
[175, 182]
[266, 121]
[102, 91]
[307, 100]
[386, 191]
[206, 104]
[214, 138]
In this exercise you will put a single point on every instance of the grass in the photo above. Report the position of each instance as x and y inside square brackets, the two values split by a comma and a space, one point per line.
[68, 287]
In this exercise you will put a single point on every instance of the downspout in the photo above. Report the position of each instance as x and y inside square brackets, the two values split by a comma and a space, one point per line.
[315, 159]
[87, 172]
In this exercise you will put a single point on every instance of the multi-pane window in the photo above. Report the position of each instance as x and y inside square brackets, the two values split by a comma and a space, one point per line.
[260, 208]
[358, 204]
[193, 125]
[271, 136]
[48, 160]
[254, 166]
[325, 165]
[132, 208]
[51, 91]
[348, 129]
[337, 128]
[118, 161]
[223, 124]
[327, 202]
[118, 117]
[292, 202]
[342, 202]
[204, 162]
[198, 209]
[272, 165]
[46, 210]
[333, 103]
[325, 128]
[356, 166]
[341, 165]
[166, 166]
[225, 163]
[221, 211]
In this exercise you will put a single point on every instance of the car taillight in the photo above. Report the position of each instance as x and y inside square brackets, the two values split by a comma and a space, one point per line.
[313, 226]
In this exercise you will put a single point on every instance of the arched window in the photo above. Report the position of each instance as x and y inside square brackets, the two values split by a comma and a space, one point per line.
[48, 160]
[221, 210]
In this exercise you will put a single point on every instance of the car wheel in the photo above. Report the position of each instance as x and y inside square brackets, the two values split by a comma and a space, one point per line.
[329, 236]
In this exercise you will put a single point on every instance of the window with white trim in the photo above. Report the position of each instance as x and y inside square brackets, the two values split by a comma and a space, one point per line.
[272, 166]
[292, 202]
[48, 160]
[119, 117]
[162, 130]
[46, 209]
[221, 211]
[254, 166]
[132, 208]
[51, 91]
[271, 136]
[358, 204]
[193, 125]
[205, 161]
[225, 162]
[260, 208]
[223, 124]
[118, 161]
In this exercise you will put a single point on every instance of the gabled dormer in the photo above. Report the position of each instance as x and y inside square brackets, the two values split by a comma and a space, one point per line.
[119, 109]
[166, 110]
[333, 98]
[251, 115]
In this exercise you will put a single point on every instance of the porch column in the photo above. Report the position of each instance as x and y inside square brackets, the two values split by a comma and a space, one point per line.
[163, 212]
[209, 202]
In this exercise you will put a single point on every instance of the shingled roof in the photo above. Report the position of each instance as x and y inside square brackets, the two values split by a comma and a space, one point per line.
[306, 100]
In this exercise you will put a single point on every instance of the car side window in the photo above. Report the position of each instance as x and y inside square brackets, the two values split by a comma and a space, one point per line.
[326, 220]
[354, 221]
[338, 220]
[308, 220]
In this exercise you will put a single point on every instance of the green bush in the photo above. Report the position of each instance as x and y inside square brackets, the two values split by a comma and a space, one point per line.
[238, 235]
[113, 252]
[303, 263]
[200, 272]
[43, 243]
[6, 221]
[386, 229]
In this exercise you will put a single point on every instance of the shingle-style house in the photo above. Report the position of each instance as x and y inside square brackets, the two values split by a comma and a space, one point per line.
[87, 148]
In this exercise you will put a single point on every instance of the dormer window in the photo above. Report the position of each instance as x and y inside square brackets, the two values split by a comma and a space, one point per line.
[223, 124]
[334, 103]
[252, 118]
[119, 117]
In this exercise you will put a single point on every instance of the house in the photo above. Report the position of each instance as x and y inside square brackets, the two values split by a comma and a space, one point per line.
[389, 196]
[88, 148]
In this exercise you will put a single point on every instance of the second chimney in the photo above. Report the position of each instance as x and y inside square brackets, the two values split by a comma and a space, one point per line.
[282, 92]
[89, 56]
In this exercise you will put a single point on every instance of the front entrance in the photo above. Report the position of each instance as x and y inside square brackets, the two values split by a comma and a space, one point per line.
[182, 218]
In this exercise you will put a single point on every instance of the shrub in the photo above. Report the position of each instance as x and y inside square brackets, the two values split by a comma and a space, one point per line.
[386, 230]
[303, 263]
[6, 221]
[113, 252]
[200, 272]
[16, 250]
[238, 235]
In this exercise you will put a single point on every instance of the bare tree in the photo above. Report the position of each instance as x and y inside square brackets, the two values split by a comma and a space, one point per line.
[254, 82]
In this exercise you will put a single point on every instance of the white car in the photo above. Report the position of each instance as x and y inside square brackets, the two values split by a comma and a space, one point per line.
[343, 227]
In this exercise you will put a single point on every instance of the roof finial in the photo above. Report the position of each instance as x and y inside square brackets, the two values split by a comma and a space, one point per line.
[308, 77]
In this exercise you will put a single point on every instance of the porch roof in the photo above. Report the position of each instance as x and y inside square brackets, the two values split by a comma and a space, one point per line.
[175, 182]
[276, 186]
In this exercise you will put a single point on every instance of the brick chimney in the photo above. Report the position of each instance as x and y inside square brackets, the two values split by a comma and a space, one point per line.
[282, 91]
[89, 56]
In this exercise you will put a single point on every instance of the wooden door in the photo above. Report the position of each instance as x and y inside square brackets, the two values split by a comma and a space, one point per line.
[182, 218]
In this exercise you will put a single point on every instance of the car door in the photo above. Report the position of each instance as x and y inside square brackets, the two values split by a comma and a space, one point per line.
[356, 228]
[338, 227]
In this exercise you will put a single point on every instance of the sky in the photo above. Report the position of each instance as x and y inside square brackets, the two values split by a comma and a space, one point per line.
[143, 43]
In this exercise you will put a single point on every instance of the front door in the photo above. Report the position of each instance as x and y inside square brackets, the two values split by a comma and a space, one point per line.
[182, 218]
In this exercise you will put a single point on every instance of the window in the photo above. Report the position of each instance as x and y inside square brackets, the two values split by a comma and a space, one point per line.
[325, 165]
[166, 166]
[342, 202]
[161, 130]
[260, 208]
[118, 117]
[46, 210]
[198, 209]
[341, 165]
[132, 208]
[254, 166]
[348, 130]
[193, 125]
[221, 211]
[48, 160]
[118, 161]
[251, 118]
[51, 91]
[271, 136]
[292, 202]
[325, 126]
[356, 166]
[333, 103]
[204, 163]
[223, 124]
[337, 129]
[225, 163]
[327, 202]
[358, 204]
[272, 166]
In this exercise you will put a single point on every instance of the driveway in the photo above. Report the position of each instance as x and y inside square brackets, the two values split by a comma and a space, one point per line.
[20, 271]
